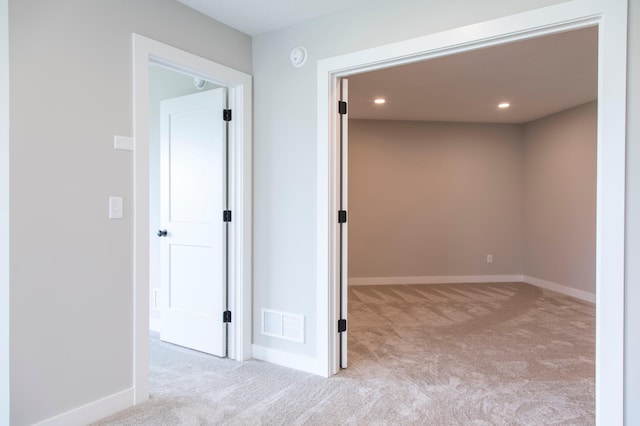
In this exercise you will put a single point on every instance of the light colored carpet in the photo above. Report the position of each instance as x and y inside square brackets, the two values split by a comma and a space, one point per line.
[455, 354]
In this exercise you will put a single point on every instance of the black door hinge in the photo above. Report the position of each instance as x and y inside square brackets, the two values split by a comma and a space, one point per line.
[226, 316]
[342, 325]
[226, 114]
[342, 107]
[226, 216]
[342, 216]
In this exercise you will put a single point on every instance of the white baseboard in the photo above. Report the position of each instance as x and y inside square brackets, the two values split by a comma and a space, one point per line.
[569, 291]
[93, 411]
[447, 279]
[464, 279]
[286, 359]
[155, 324]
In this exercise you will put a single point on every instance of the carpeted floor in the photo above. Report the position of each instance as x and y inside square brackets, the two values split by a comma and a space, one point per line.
[455, 354]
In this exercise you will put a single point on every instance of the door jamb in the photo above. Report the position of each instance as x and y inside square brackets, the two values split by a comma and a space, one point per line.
[610, 165]
[146, 50]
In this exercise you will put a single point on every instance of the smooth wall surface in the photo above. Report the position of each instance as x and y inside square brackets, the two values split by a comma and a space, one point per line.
[4, 212]
[71, 267]
[433, 199]
[285, 139]
[560, 198]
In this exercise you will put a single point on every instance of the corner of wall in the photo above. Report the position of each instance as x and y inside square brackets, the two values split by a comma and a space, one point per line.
[4, 214]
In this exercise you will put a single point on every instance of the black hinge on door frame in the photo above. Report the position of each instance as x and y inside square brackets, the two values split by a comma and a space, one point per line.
[226, 316]
[342, 325]
[226, 114]
[226, 216]
[342, 107]
[342, 216]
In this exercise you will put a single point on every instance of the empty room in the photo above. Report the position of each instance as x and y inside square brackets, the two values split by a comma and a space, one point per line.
[471, 239]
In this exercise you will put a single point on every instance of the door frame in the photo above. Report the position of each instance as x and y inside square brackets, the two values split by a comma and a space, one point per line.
[146, 51]
[612, 51]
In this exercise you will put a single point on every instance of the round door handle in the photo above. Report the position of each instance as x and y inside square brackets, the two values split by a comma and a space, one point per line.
[162, 233]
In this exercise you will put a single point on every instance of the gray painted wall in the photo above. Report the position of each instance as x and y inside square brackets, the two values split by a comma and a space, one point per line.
[433, 199]
[71, 267]
[560, 198]
[4, 212]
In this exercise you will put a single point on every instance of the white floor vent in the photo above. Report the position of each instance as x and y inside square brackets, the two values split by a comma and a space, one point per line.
[283, 325]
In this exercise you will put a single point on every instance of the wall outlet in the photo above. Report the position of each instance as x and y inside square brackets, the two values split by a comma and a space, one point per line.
[489, 258]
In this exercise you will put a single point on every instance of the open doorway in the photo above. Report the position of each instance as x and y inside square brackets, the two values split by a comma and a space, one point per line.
[238, 100]
[459, 179]
[610, 166]
[447, 188]
[188, 191]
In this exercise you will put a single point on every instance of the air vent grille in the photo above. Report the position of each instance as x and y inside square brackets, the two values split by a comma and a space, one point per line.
[283, 325]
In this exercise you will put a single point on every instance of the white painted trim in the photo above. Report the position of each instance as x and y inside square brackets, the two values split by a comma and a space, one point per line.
[93, 411]
[5, 389]
[239, 85]
[474, 279]
[560, 288]
[286, 359]
[444, 279]
[611, 18]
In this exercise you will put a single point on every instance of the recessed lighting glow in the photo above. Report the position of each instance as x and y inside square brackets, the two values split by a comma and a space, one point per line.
[380, 101]
[504, 105]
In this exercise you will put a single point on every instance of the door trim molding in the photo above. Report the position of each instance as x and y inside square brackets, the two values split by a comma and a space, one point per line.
[146, 50]
[610, 166]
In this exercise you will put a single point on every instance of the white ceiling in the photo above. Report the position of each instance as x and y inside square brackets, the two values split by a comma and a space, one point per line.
[538, 76]
[255, 17]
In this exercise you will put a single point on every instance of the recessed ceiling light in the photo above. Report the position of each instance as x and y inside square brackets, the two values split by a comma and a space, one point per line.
[504, 105]
[380, 101]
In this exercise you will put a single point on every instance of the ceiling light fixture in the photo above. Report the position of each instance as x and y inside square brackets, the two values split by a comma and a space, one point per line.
[379, 101]
[504, 105]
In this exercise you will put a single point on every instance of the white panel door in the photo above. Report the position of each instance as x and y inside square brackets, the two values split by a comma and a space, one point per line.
[192, 198]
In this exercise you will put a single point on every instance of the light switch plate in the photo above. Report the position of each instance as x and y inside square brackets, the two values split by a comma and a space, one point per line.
[115, 208]
[123, 142]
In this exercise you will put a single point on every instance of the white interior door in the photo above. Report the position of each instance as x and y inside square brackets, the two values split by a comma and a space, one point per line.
[193, 193]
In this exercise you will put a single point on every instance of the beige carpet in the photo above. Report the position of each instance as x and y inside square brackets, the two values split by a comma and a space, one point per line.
[463, 354]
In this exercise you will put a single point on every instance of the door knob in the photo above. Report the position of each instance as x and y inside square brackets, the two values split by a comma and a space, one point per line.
[162, 233]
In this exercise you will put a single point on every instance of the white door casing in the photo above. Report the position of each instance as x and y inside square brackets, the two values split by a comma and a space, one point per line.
[239, 86]
[193, 236]
[611, 18]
